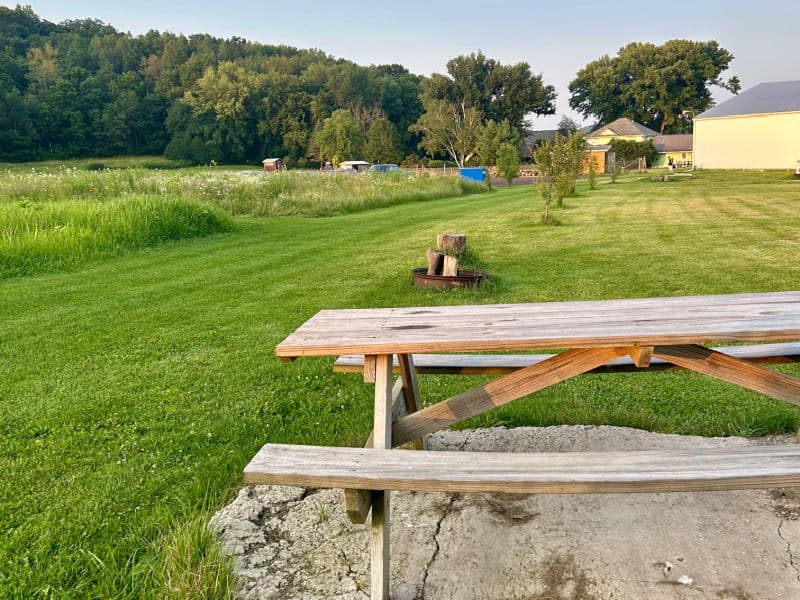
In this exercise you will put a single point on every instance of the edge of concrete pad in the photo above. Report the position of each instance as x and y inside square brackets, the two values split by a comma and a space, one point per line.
[292, 543]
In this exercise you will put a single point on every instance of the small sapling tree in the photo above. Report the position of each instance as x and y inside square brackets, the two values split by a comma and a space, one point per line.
[508, 162]
[544, 157]
[592, 171]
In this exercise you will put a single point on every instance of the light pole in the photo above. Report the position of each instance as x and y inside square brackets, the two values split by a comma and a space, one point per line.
[689, 114]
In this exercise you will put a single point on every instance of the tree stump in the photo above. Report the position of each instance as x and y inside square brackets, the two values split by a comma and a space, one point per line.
[452, 243]
[434, 261]
[450, 266]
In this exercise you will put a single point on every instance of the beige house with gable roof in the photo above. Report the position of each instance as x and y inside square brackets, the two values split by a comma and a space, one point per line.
[622, 129]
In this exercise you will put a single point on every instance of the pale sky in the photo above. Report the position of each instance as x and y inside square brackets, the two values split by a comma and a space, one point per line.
[556, 38]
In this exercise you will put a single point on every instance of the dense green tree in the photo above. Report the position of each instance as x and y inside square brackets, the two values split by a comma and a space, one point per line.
[491, 137]
[653, 85]
[567, 126]
[382, 145]
[465, 110]
[340, 137]
[499, 92]
[16, 127]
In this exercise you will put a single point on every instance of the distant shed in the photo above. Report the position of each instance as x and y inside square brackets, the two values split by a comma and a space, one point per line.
[359, 165]
[273, 164]
[677, 146]
[758, 129]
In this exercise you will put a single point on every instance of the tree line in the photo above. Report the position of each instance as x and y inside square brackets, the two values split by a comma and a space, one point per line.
[81, 88]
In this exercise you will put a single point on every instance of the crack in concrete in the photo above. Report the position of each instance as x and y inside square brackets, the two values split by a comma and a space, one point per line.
[439, 523]
[788, 549]
[353, 575]
[438, 546]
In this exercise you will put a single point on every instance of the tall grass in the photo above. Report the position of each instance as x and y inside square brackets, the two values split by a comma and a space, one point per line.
[293, 193]
[195, 566]
[39, 236]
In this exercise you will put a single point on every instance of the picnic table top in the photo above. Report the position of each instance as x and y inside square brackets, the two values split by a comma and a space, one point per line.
[754, 317]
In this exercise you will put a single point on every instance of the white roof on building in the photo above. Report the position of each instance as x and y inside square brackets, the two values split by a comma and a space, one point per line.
[775, 97]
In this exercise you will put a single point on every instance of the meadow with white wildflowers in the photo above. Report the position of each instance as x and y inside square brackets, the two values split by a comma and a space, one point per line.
[54, 218]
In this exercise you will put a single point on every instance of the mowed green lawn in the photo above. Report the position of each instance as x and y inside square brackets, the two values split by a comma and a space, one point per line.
[134, 389]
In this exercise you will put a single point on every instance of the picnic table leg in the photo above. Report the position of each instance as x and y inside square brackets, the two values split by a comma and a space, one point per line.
[382, 438]
[410, 390]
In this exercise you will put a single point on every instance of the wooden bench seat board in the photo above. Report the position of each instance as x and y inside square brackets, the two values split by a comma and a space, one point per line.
[500, 364]
[528, 473]
[764, 317]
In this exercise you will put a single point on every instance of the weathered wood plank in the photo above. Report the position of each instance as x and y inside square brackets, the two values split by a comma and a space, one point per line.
[641, 356]
[379, 546]
[505, 389]
[768, 317]
[398, 409]
[408, 376]
[500, 364]
[369, 368]
[529, 473]
[450, 268]
[720, 366]
[357, 504]
[379, 520]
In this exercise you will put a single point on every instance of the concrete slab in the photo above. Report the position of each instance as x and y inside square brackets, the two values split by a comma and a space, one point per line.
[292, 543]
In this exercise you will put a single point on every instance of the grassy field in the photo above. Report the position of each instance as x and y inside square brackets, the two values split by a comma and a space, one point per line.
[134, 389]
[252, 193]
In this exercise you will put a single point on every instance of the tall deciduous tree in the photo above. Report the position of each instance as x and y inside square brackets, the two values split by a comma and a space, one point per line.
[339, 136]
[382, 144]
[453, 128]
[491, 137]
[653, 85]
[500, 92]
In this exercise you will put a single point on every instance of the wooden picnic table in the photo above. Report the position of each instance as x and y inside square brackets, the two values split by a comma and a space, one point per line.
[590, 334]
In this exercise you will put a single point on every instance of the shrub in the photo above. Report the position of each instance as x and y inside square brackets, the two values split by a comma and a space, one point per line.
[627, 150]
[173, 164]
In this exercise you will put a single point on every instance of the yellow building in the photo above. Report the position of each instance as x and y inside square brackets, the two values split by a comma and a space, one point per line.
[677, 147]
[598, 141]
[758, 129]
[621, 129]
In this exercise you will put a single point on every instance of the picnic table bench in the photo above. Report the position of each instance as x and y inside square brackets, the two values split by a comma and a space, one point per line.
[598, 335]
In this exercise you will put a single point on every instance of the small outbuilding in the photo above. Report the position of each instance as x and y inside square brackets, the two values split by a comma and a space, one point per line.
[273, 164]
[677, 147]
[359, 165]
[758, 129]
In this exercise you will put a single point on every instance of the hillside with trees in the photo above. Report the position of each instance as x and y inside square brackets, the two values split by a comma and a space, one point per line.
[82, 88]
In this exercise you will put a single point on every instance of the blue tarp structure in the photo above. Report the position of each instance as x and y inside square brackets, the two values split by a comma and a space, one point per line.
[473, 173]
